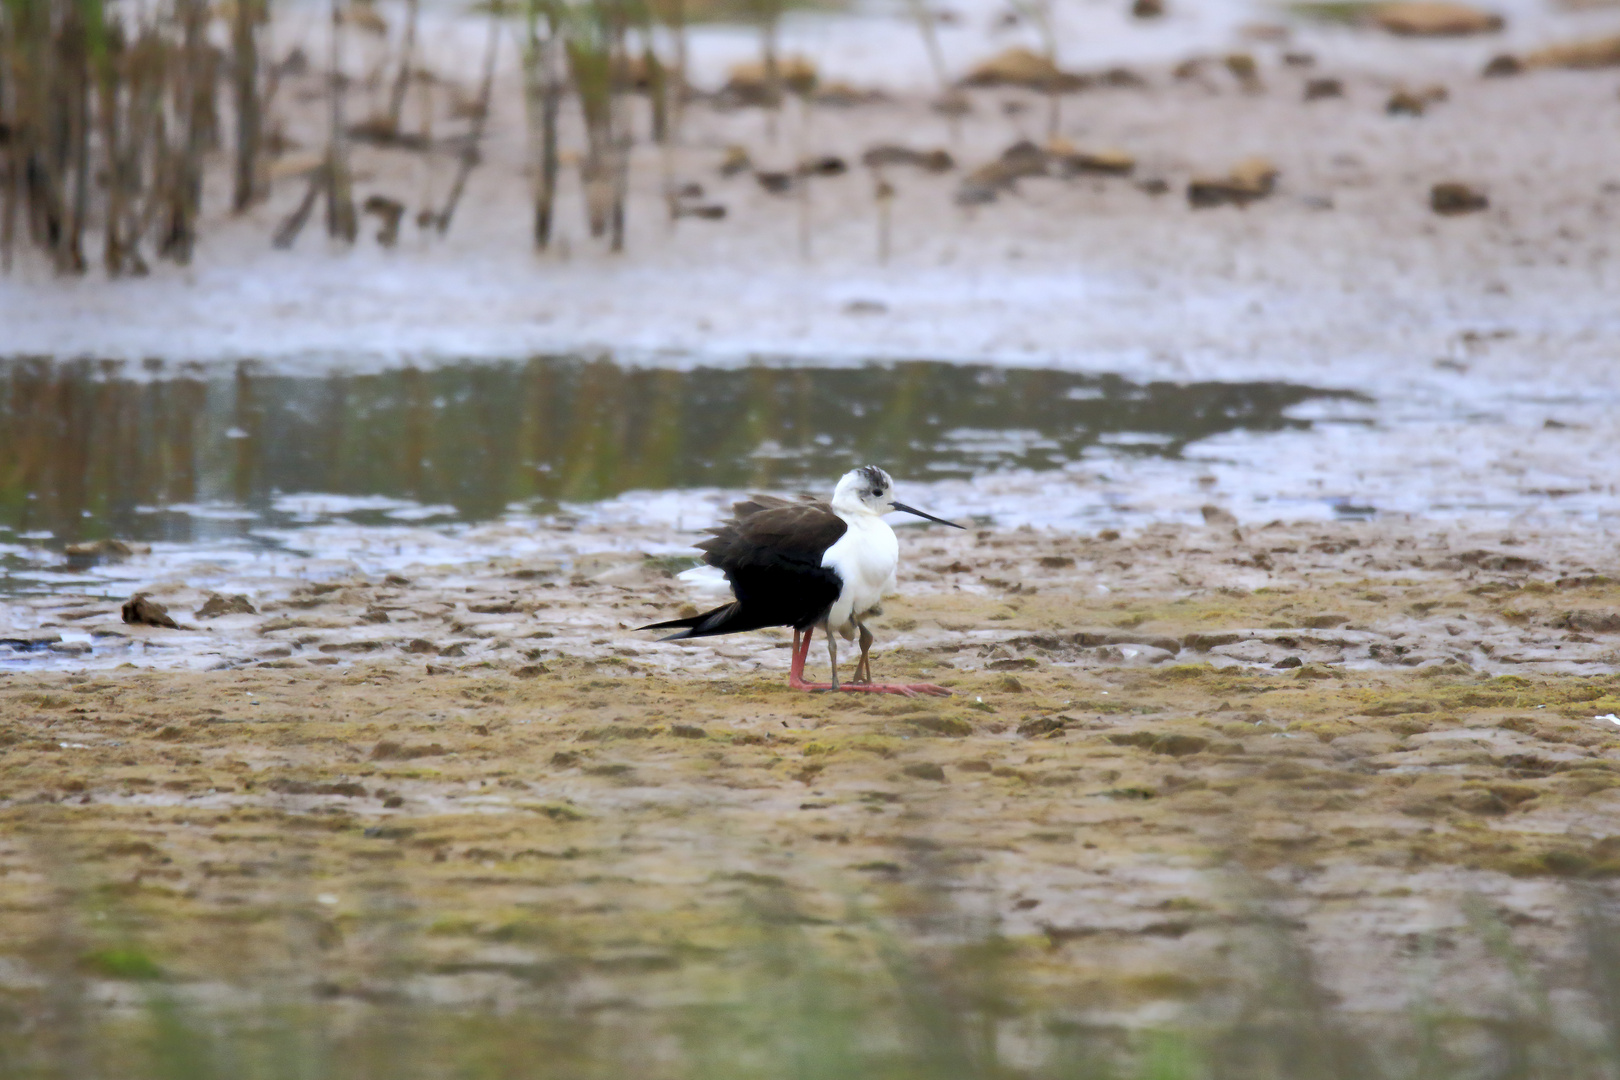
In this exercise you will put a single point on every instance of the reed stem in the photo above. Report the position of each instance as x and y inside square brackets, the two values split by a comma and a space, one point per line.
[245, 85]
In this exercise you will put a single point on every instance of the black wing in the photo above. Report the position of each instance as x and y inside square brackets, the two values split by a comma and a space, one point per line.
[770, 551]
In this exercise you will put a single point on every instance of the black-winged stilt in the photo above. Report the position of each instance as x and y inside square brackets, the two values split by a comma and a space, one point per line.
[806, 564]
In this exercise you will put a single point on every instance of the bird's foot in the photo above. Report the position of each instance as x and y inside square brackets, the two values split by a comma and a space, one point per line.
[795, 683]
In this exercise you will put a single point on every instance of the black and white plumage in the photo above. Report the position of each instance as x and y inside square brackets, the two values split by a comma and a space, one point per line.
[809, 564]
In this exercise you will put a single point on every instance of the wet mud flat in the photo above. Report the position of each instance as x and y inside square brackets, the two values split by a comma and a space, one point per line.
[1381, 724]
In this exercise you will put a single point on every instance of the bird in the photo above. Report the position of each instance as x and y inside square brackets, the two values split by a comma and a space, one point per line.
[806, 564]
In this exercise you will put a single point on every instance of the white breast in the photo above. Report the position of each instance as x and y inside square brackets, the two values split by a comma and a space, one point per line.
[865, 558]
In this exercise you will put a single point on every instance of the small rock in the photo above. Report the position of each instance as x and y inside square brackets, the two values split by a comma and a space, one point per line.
[1104, 162]
[749, 82]
[1317, 89]
[1178, 744]
[1405, 102]
[421, 645]
[1040, 725]
[777, 183]
[925, 770]
[1596, 622]
[1147, 9]
[1289, 662]
[70, 648]
[687, 731]
[1249, 180]
[1244, 70]
[736, 161]
[1121, 78]
[1021, 159]
[85, 555]
[1502, 66]
[826, 165]
[1586, 55]
[1134, 654]
[217, 605]
[1453, 198]
[842, 95]
[1434, 18]
[388, 750]
[888, 154]
[1019, 66]
[144, 611]
[948, 726]
[1206, 642]
[701, 211]
[38, 639]
[389, 212]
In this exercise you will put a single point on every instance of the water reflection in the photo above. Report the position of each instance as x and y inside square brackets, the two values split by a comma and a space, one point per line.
[92, 449]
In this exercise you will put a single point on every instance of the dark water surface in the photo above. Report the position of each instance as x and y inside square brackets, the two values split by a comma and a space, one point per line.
[151, 453]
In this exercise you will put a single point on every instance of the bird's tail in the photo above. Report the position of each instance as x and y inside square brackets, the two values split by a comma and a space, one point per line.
[725, 619]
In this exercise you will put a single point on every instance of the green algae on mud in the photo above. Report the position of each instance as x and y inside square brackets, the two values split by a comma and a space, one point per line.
[503, 851]
[491, 791]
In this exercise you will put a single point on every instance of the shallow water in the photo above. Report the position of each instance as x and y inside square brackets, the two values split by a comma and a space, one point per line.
[239, 475]
[202, 456]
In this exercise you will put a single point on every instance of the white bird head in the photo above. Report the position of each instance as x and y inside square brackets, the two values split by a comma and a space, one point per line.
[869, 490]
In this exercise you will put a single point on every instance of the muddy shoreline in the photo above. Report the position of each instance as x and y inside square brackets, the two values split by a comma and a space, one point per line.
[1381, 719]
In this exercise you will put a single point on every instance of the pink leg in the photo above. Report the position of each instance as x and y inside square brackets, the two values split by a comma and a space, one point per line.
[801, 651]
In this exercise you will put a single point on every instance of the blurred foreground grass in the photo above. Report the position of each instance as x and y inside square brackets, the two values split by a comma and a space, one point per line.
[919, 993]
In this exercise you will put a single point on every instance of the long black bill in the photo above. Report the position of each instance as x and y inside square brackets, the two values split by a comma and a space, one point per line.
[904, 509]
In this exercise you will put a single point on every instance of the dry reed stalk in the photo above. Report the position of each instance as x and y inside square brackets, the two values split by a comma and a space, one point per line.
[407, 57]
[936, 60]
[341, 220]
[884, 195]
[107, 49]
[146, 67]
[657, 90]
[471, 155]
[675, 19]
[428, 164]
[1039, 14]
[769, 14]
[42, 140]
[193, 93]
[801, 190]
[10, 175]
[286, 233]
[245, 23]
[75, 68]
[543, 96]
[619, 134]
[589, 62]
